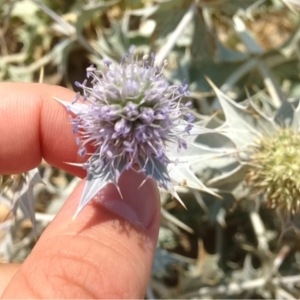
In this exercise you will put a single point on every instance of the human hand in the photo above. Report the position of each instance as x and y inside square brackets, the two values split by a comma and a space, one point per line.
[103, 253]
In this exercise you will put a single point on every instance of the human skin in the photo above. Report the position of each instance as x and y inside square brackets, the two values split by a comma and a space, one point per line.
[103, 253]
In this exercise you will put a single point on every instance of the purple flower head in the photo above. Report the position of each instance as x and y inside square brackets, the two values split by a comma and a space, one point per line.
[129, 114]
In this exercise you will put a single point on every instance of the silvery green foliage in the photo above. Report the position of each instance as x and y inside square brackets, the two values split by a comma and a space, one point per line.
[134, 119]
[245, 124]
[24, 196]
[21, 194]
[240, 125]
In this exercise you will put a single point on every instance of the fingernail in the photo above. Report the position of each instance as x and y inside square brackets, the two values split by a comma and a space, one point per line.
[139, 203]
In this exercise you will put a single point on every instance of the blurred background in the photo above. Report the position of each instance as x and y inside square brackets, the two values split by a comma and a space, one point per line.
[228, 247]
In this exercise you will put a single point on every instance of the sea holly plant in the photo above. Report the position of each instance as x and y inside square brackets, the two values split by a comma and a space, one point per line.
[132, 117]
[267, 151]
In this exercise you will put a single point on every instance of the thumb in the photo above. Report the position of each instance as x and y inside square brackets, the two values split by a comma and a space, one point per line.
[106, 252]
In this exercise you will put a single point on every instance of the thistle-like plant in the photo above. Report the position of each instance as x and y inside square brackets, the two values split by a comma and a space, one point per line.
[267, 151]
[131, 117]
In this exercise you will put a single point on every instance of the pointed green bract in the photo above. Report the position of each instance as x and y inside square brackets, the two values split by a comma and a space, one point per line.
[242, 124]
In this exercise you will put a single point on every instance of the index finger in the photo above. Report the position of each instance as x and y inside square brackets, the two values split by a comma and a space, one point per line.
[35, 126]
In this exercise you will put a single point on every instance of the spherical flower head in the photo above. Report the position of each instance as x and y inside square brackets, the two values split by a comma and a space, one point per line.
[130, 115]
[275, 170]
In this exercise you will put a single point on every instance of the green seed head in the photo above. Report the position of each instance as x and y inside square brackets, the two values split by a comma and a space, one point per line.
[275, 170]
